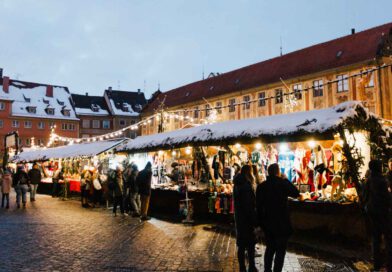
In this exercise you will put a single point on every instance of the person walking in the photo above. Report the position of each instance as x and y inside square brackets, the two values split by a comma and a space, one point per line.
[20, 182]
[35, 179]
[134, 190]
[273, 216]
[6, 182]
[245, 217]
[143, 181]
[377, 204]
[118, 191]
[55, 180]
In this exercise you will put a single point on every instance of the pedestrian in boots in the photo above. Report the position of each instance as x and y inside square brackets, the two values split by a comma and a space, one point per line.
[20, 182]
[35, 179]
[273, 216]
[377, 205]
[118, 191]
[6, 182]
[143, 181]
[245, 217]
[134, 190]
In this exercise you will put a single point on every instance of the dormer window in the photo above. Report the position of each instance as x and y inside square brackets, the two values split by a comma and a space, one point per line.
[49, 111]
[95, 107]
[66, 112]
[61, 103]
[45, 101]
[31, 109]
[125, 107]
[138, 107]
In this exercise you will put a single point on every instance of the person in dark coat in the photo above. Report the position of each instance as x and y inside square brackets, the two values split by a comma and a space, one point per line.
[273, 216]
[35, 179]
[143, 180]
[134, 190]
[377, 202]
[21, 183]
[245, 217]
[118, 191]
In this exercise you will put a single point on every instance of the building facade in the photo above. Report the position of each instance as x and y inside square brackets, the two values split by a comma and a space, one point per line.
[125, 108]
[316, 77]
[94, 115]
[33, 109]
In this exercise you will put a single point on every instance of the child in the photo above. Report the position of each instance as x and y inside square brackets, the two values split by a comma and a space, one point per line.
[6, 182]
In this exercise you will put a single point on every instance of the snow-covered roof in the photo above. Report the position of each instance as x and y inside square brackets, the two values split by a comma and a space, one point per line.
[125, 103]
[67, 151]
[270, 128]
[33, 96]
[98, 112]
[90, 105]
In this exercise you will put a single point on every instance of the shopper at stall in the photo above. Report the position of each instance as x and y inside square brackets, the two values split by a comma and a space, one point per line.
[377, 203]
[56, 179]
[97, 189]
[273, 216]
[245, 217]
[134, 190]
[118, 191]
[6, 182]
[35, 179]
[20, 182]
[85, 183]
[143, 180]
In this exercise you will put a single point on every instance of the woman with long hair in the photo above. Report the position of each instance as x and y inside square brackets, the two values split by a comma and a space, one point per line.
[245, 217]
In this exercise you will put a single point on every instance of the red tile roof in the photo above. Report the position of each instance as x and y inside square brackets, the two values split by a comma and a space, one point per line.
[354, 48]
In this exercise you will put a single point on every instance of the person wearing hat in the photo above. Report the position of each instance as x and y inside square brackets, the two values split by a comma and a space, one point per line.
[21, 183]
[377, 204]
[35, 179]
[6, 182]
[144, 182]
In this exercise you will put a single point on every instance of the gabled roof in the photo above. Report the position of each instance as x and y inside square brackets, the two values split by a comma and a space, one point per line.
[90, 105]
[347, 50]
[26, 95]
[125, 103]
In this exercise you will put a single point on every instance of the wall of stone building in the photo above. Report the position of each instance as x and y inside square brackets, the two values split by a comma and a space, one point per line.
[356, 91]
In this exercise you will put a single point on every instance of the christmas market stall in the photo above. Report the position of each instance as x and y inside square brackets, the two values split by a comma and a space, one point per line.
[71, 160]
[323, 152]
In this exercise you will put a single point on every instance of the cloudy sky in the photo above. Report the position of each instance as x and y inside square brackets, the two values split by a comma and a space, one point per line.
[90, 45]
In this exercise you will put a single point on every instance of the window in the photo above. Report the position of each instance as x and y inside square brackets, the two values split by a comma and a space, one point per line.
[122, 122]
[218, 107]
[297, 89]
[71, 127]
[262, 99]
[342, 83]
[40, 142]
[96, 124]
[15, 123]
[50, 111]
[41, 125]
[86, 123]
[31, 109]
[65, 126]
[232, 105]
[28, 141]
[1, 123]
[66, 112]
[317, 88]
[196, 113]
[106, 124]
[208, 109]
[2, 106]
[85, 135]
[278, 96]
[52, 124]
[28, 124]
[246, 104]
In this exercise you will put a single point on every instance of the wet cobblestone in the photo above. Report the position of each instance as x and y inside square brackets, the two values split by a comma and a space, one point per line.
[56, 235]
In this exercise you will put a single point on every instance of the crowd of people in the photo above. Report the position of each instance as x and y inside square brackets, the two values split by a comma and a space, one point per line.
[262, 213]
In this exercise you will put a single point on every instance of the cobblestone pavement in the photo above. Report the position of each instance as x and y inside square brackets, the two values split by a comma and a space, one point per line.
[56, 235]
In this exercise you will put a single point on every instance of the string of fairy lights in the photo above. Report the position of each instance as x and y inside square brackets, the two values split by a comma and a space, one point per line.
[289, 98]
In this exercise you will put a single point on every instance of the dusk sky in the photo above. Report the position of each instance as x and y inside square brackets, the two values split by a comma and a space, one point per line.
[90, 45]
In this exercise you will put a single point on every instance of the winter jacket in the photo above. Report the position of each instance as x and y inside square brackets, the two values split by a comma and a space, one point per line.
[143, 180]
[118, 184]
[35, 176]
[133, 186]
[272, 205]
[20, 178]
[376, 198]
[244, 210]
[6, 182]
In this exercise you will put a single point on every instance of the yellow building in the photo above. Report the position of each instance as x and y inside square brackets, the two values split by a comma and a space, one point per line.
[353, 67]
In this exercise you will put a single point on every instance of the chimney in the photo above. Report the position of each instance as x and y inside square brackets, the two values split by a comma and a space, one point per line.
[49, 91]
[86, 93]
[138, 91]
[6, 84]
[110, 88]
[352, 31]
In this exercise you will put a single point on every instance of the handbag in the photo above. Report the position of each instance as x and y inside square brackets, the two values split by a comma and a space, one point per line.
[97, 185]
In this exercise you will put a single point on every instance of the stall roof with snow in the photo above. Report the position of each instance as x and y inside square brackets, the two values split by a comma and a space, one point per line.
[321, 124]
[68, 151]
